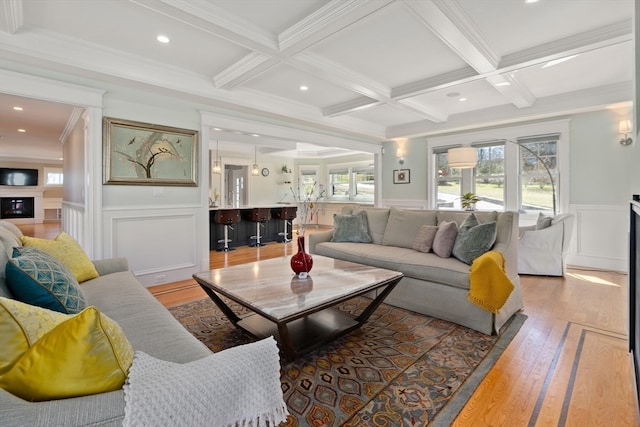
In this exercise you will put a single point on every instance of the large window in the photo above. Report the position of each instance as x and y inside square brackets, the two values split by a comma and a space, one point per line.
[351, 183]
[448, 182]
[534, 169]
[53, 177]
[489, 176]
[538, 173]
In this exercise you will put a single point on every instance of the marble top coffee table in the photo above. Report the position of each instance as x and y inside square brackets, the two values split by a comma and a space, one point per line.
[299, 313]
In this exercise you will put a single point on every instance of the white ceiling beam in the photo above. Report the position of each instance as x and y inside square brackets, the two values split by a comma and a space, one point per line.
[12, 15]
[350, 106]
[326, 21]
[448, 21]
[248, 67]
[513, 89]
[452, 26]
[208, 17]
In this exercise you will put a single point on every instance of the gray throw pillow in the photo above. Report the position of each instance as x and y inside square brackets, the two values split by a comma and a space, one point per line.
[474, 239]
[424, 238]
[351, 228]
[445, 238]
[543, 221]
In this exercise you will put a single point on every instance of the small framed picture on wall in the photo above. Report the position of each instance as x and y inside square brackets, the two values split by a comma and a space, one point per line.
[401, 176]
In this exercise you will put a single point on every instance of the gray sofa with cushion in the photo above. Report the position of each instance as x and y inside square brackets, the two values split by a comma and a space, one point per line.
[431, 285]
[148, 326]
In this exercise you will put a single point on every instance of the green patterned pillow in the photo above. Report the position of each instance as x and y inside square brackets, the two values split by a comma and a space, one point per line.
[37, 278]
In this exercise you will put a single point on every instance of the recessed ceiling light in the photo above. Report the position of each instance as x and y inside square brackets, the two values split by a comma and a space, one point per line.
[217, 129]
[453, 94]
[162, 38]
[558, 61]
[462, 99]
[531, 1]
[503, 84]
[21, 130]
[255, 134]
[18, 108]
[304, 87]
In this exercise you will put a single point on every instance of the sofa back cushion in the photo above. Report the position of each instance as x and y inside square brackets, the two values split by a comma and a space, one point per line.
[403, 226]
[377, 219]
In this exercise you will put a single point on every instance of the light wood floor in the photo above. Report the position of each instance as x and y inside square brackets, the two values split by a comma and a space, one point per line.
[568, 365]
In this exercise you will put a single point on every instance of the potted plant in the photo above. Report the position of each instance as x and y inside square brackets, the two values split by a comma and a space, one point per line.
[469, 200]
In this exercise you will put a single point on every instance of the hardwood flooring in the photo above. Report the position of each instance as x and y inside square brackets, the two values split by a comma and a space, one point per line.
[568, 365]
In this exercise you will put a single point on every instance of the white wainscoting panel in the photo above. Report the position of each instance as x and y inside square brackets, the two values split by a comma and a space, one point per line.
[160, 247]
[600, 238]
[73, 223]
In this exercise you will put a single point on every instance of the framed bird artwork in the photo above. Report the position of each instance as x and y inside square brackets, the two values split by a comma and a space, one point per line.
[138, 153]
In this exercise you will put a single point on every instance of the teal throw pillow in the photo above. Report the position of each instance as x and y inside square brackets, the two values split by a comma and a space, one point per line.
[474, 239]
[35, 277]
[351, 228]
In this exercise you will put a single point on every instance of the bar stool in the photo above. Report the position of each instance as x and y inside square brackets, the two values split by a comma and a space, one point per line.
[259, 216]
[286, 214]
[228, 217]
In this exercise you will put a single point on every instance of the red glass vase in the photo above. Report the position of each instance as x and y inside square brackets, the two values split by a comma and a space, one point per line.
[301, 262]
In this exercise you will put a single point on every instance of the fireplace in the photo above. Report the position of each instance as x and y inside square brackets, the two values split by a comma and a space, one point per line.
[17, 207]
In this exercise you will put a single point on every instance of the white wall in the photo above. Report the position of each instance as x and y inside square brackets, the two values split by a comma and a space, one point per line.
[156, 227]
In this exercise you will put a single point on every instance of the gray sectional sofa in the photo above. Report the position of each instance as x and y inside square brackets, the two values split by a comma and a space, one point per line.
[432, 285]
[146, 323]
[150, 328]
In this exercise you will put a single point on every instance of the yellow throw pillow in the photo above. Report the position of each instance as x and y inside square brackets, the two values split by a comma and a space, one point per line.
[21, 325]
[84, 355]
[68, 251]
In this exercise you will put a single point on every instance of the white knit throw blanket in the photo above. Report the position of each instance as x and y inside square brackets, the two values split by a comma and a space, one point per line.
[239, 386]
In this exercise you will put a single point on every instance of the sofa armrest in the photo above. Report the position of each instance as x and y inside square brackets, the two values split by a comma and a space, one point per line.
[315, 238]
[111, 265]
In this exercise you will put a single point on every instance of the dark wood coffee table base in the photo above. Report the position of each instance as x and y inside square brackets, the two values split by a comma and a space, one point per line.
[309, 330]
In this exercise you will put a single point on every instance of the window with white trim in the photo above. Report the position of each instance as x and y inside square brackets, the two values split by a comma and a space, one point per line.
[354, 182]
[535, 158]
[53, 177]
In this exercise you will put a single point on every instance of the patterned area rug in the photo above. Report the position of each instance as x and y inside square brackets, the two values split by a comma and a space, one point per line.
[399, 368]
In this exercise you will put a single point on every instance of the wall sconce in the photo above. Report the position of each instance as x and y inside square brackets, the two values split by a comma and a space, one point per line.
[462, 157]
[400, 155]
[624, 127]
[255, 170]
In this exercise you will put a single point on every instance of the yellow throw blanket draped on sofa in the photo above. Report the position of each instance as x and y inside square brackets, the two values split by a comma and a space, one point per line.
[489, 285]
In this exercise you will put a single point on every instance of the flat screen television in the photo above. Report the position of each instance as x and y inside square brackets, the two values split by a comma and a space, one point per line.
[18, 177]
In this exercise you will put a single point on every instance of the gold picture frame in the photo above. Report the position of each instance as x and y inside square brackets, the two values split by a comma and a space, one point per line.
[137, 153]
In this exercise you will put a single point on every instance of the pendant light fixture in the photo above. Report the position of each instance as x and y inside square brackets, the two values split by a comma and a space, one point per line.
[255, 170]
[216, 163]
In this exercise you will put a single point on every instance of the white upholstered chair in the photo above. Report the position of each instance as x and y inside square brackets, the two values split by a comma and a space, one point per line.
[543, 251]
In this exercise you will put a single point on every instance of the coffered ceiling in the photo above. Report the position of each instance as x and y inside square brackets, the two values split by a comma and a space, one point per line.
[374, 69]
